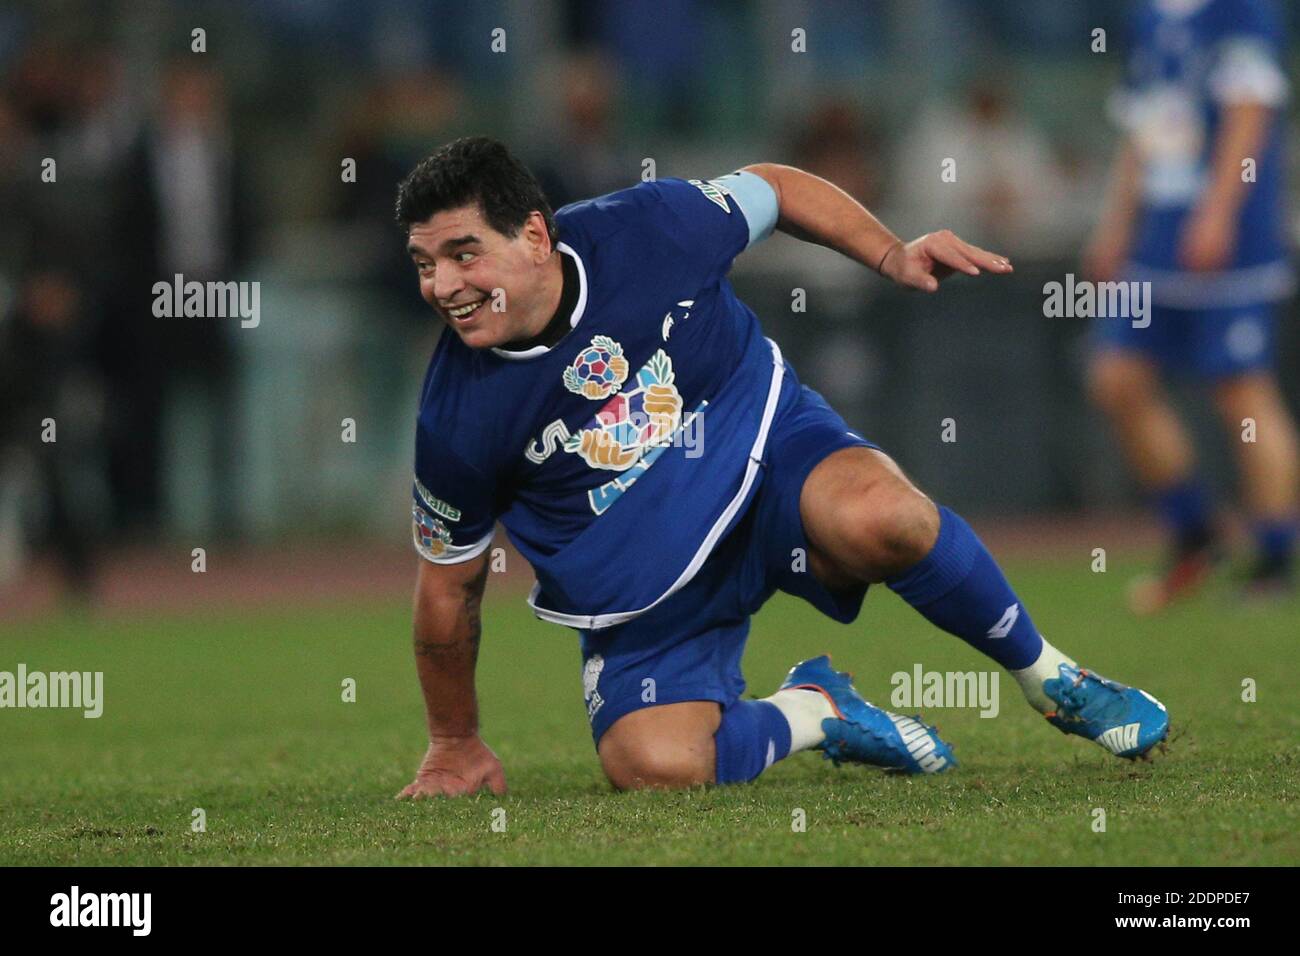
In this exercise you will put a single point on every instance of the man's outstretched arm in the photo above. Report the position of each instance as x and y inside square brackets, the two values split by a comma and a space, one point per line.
[815, 210]
[447, 628]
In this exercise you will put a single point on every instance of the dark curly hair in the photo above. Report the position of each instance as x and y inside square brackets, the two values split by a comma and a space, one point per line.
[473, 169]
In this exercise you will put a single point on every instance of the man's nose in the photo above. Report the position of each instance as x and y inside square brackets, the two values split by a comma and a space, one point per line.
[446, 283]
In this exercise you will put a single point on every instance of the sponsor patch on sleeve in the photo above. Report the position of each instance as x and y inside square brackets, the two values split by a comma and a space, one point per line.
[436, 505]
[714, 192]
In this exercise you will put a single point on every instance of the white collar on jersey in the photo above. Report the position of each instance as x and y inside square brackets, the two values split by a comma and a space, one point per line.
[574, 319]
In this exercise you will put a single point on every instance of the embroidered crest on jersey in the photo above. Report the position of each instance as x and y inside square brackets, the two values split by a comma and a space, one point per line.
[715, 192]
[436, 505]
[598, 371]
[431, 535]
[631, 430]
[631, 423]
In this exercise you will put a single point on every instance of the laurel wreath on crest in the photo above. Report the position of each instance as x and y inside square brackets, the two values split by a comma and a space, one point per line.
[608, 344]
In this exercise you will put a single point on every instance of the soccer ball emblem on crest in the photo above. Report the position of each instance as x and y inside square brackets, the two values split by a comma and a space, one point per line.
[598, 371]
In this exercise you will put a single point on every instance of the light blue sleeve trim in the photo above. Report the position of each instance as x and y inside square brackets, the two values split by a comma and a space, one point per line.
[756, 199]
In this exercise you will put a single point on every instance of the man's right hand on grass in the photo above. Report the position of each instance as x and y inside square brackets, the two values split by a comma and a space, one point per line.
[454, 767]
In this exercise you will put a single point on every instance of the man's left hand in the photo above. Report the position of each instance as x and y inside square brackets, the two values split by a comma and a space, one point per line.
[924, 262]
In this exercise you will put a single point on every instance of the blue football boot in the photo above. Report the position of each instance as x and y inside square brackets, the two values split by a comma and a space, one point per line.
[1126, 721]
[861, 732]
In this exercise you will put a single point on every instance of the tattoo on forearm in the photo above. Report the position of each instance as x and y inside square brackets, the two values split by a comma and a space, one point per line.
[455, 648]
[440, 650]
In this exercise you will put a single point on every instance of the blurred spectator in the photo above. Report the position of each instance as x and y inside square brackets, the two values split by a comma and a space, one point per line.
[1005, 179]
[50, 411]
[835, 143]
[661, 46]
[70, 108]
[19, 170]
[181, 211]
[584, 157]
[386, 128]
[833, 140]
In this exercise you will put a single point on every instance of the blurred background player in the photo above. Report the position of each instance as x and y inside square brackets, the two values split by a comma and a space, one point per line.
[1195, 208]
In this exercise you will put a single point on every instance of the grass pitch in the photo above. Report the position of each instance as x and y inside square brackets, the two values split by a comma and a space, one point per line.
[241, 714]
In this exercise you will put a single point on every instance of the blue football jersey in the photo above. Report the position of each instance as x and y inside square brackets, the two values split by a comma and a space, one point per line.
[618, 457]
[1189, 60]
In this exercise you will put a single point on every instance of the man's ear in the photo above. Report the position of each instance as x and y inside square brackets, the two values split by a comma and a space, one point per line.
[539, 239]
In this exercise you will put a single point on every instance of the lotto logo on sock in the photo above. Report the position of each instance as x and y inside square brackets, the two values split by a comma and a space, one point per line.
[1005, 623]
[922, 688]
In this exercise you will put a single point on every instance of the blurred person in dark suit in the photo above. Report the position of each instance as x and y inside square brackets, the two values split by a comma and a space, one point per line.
[65, 125]
[50, 411]
[17, 171]
[180, 212]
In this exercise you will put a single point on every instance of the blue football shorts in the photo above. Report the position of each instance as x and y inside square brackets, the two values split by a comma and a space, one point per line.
[1205, 343]
[689, 647]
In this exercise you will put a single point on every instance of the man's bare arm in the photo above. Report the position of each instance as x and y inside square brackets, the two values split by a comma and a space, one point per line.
[815, 210]
[1111, 237]
[1210, 235]
[1242, 135]
[447, 630]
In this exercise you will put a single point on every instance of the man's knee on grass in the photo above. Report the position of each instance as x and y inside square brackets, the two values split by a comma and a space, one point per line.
[669, 746]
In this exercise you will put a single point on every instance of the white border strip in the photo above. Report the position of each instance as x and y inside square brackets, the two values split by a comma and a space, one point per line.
[598, 621]
[454, 555]
[1231, 288]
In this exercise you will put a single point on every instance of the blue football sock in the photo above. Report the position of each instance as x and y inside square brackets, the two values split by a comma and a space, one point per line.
[1185, 508]
[753, 735]
[958, 587]
[1275, 541]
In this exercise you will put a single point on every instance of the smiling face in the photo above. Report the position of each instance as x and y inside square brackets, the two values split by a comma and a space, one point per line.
[492, 289]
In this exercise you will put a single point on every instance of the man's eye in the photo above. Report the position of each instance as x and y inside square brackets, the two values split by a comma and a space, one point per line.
[424, 266]
[468, 256]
